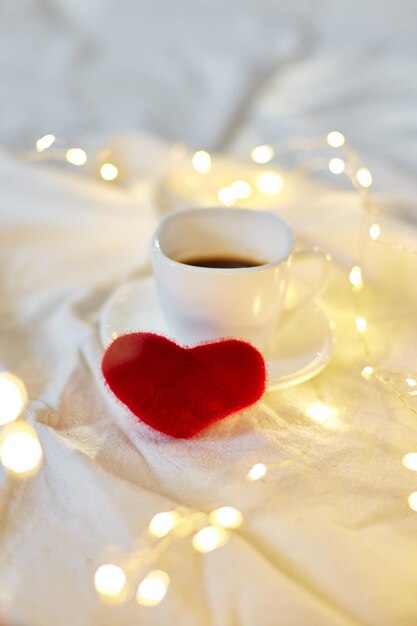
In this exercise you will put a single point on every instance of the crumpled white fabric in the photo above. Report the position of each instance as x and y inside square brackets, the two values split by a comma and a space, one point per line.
[328, 538]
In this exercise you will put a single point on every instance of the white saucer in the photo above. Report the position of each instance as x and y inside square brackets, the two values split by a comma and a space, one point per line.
[301, 348]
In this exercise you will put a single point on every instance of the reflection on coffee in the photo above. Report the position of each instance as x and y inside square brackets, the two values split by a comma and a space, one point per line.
[222, 262]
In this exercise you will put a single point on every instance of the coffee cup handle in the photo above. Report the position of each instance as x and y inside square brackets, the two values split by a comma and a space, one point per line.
[314, 283]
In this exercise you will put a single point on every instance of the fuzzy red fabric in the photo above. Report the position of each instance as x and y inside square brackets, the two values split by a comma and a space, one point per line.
[179, 391]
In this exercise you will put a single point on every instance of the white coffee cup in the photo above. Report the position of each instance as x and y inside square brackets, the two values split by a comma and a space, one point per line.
[205, 303]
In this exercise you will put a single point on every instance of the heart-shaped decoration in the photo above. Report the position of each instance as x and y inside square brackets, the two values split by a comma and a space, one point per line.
[179, 391]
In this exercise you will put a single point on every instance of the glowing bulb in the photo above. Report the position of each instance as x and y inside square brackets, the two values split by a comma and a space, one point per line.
[45, 142]
[108, 171]
[153, 588]
[412, 501]
[226, 516]
[241, 189]
[361, 324]
[335, 139]
[257, 471]
[109, 580]
[337, 165]
[201, 162]
[13, 397]
[355, 277]
[269, 183]
[411, 382]
[410, 461]
[209, 538]
[364, 177]
[76, 156]
[374, 231]
[320, 413]
[20, 449]
[226, 196]
[262, 154]
[367, 371]
[162, 523]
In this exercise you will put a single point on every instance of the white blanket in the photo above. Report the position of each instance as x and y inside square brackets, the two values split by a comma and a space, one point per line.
[328, 537]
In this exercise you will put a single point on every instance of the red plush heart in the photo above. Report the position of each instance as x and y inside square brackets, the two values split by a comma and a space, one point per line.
[179, 391]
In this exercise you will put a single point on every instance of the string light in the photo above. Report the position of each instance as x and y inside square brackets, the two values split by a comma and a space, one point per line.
[410, 461]
[412, 501]
[201, 162]
[336, 139]
[153, 588]
[45, 142]
[162, 523]
[241, 189]
[207, 532]
[361, 324]
[355, 277]
[257, 471]
[13, 397]
[20, 449]
[364, 177]
[227, 517]
[374, 231]
[226, 196]
[262, 154]
[209, 538]
[212, 536]
[110, 580]
[76, 156]
[337, 165]
[269, 183]
[109, 172]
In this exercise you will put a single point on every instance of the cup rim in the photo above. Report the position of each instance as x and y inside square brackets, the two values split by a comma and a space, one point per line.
[156, 248]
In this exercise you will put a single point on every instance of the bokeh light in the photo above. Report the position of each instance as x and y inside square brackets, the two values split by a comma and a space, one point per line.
[364, 177]
[20, 449]
[361, 324]
[355, 277]
[209, 538]
[374, 231]
[336, 139]
[269, 183]
[226, 196]
[109, 580]
[226, 516]
[153, 588]
[13, 397]
[410, 461]
[201, 162]
[412, 501]
[257, 471]
[262, 154]
[45, 142]
[162, 523]
[241, 189]
[108, 171]
[76, 156]
[337, 165]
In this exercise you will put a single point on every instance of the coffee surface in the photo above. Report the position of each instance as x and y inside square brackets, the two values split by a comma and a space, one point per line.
[222, 262]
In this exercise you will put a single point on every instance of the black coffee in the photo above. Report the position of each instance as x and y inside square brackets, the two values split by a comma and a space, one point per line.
[222, 262]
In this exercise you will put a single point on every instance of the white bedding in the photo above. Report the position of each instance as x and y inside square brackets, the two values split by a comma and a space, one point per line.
[328, 539]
